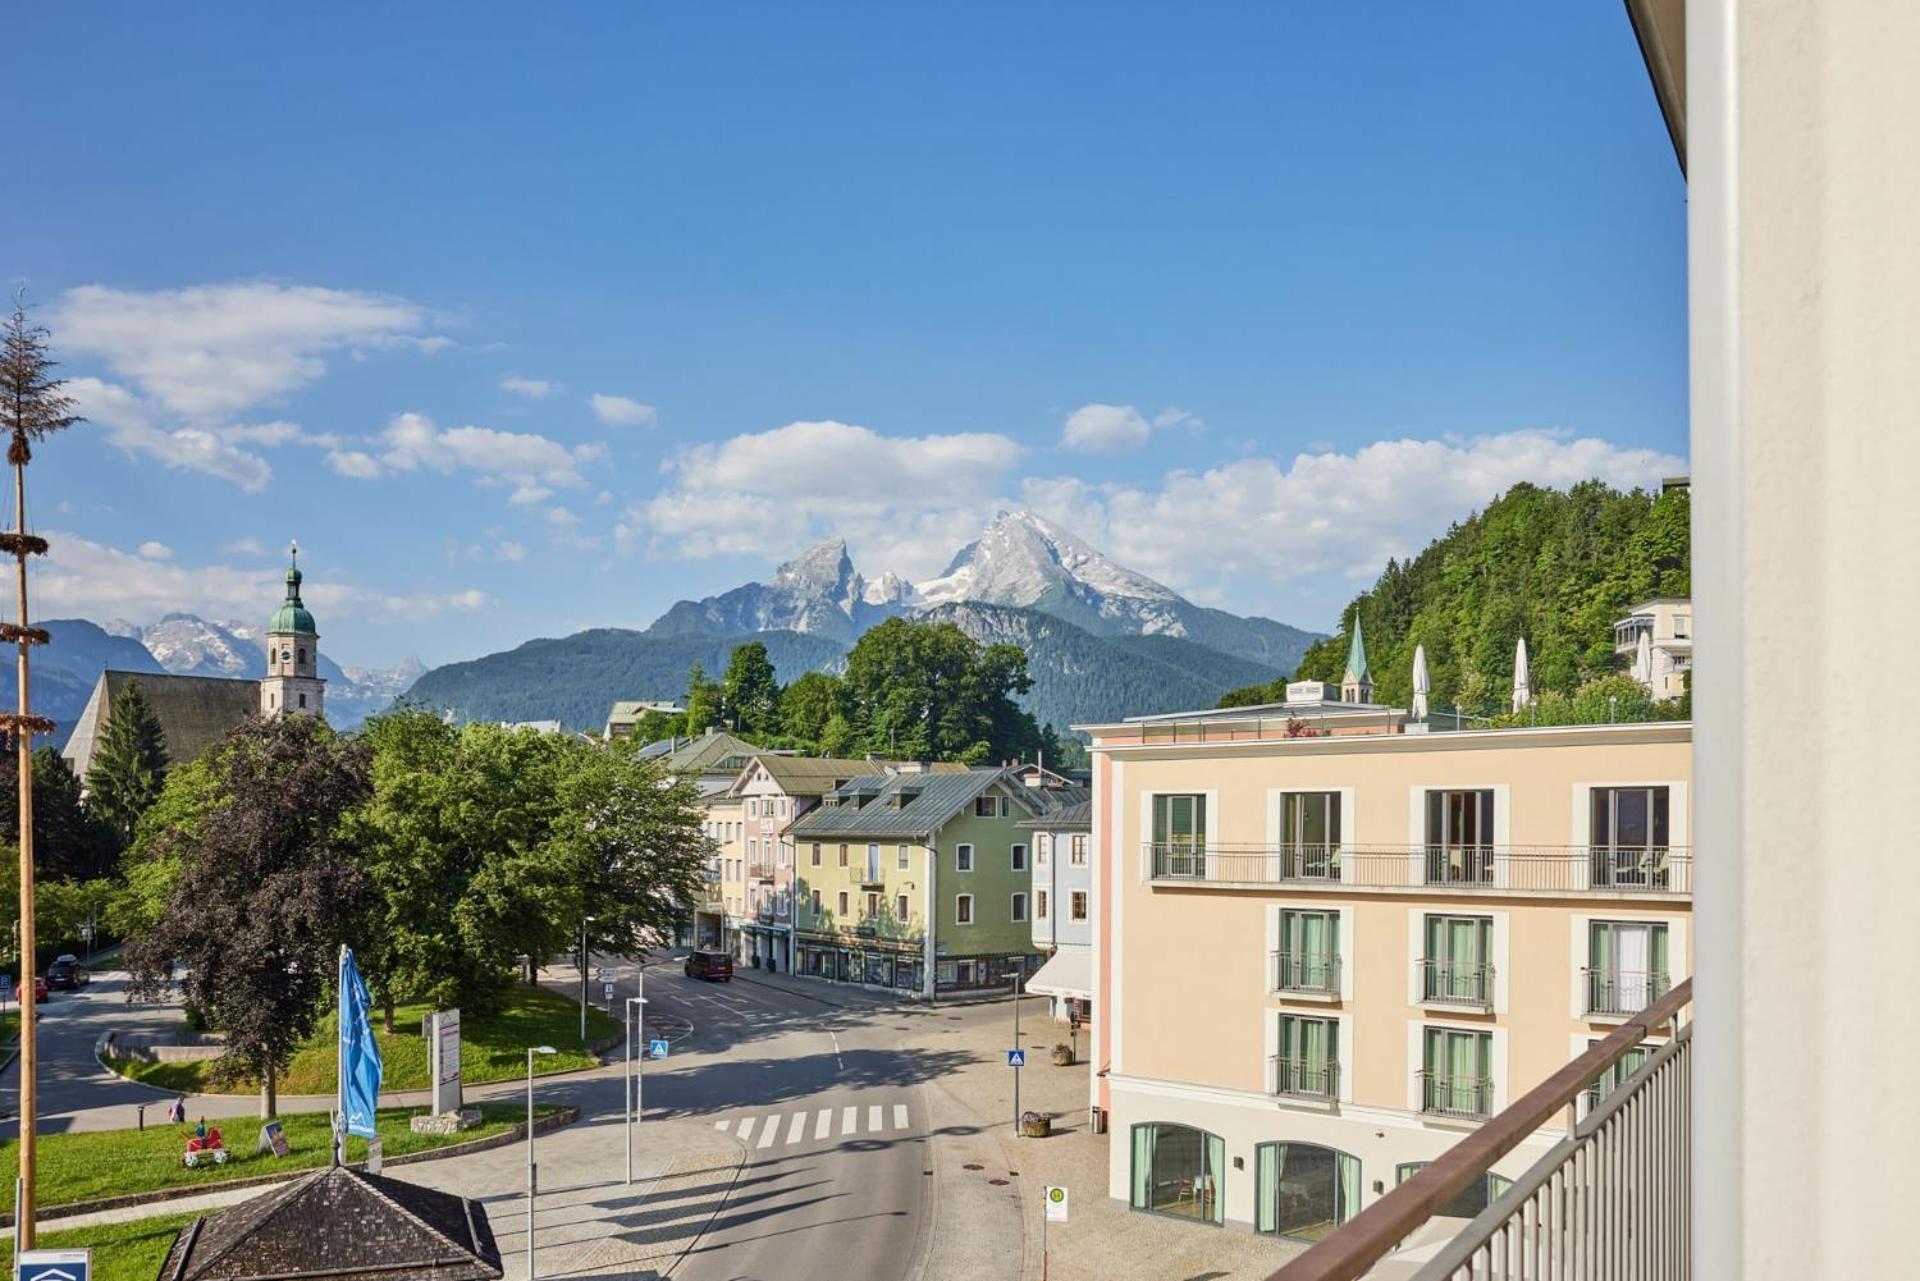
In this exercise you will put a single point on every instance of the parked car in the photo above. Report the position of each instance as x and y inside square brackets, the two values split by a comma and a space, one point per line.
[67, 974]
[717, 966]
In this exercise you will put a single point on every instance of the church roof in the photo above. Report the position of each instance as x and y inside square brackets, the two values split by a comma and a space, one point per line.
[342, 1225]
[292, 616]
[1357, 656]
[194, 712]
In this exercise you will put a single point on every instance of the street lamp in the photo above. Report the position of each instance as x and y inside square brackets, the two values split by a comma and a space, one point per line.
[635, 1096]
[585, 921]
[533, 1169]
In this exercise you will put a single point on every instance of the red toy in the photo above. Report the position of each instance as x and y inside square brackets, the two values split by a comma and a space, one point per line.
[204, 1148]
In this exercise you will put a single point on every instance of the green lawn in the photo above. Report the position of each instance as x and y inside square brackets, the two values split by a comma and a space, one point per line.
[493, 1048]
[100, 1163]
[9, 1027]
[130, 1251]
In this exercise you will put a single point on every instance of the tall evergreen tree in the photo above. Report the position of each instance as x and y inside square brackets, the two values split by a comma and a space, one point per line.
[751, 690]
[130, 766]
[706, 702]
[68, 841]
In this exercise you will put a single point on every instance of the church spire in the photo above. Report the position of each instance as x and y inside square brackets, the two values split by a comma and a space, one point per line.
[1357, 685]
[293, 682]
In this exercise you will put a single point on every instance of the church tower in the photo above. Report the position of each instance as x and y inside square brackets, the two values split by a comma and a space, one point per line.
[1357, 685]
[292, 682]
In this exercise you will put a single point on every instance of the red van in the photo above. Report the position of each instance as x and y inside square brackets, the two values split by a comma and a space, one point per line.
[710, 965]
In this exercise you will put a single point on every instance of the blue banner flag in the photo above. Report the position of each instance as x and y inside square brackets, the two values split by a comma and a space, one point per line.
[359, 1052]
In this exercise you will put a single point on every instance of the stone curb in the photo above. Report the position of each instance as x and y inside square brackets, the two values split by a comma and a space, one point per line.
[565, 1116]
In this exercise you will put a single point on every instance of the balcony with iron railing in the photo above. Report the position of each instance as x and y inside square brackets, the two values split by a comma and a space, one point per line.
[1617, 992]
[1612, 1199]
[1462, 1097]
[1663, 870]
[760, 871]
[1304, 1078]
[1465, 983]
[1312, 972]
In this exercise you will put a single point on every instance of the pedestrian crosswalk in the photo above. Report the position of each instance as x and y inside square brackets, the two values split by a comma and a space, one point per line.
[759, 1130]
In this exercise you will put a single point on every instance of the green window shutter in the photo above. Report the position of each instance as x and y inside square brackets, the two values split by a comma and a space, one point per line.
[1216, 1176]
[1267, 1158]
[1658, 952]
[1160, 807]
[1142, 1166]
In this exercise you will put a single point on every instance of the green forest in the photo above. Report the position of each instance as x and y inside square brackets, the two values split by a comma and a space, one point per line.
[1556, 567]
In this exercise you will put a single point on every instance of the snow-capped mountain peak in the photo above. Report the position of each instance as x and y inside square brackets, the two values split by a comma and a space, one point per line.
[1022, 558]
[888, 590]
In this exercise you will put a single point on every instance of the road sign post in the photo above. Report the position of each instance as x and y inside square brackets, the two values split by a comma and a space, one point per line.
[1054, 1211]
[1017, 1051]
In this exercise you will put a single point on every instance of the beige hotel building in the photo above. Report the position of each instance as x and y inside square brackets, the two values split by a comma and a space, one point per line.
[1331, 939]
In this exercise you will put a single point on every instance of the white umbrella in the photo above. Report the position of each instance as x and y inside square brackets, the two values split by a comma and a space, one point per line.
[1522, 683]
[1422, 684]
[1643, 660]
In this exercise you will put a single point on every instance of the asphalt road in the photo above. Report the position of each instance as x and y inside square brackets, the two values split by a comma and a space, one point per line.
[71, 1078]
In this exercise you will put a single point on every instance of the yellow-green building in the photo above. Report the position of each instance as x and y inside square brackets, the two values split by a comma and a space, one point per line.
[918, 881]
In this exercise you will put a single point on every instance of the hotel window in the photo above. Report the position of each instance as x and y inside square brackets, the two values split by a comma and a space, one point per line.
[902, 910]
[1019, 908]
[1616, 1076]
[1077, 905]
[1308, 1064]
[1458, 966]
[986, 807]
[814, 901]
[873, 863]
[1177, 1170]
[1079, 847]
[843, 903]
[873, 906]
[1457, 1073]
[900, 856]
[1310, 836]
[1019, 858]
[1472, 1199]
[963, 909]
[753, 808]
[1630, 829]
[1179, 835]
[843, 855]
[1460, 837]
[1042, 849]
[1040, 905]
[816, 853]
[963, 858]
[1626, 966]
[1303, 1190]
[1309, 956]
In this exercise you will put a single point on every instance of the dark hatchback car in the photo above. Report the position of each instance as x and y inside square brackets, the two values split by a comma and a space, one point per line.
[717, 966]
[66, 974]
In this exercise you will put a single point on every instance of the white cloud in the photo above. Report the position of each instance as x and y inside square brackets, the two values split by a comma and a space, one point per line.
[130, 424]
[354, 462]
[622, 411]
[152, 550]
[244, 547]
[278, 433]
[88, 579]
[207, 352]
[1114, 429]
[909, 501]
[1254, 520]
[532, 388]
[520, 458]
[509, 552]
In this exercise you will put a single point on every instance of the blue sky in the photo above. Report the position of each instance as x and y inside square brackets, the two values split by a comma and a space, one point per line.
[1252, 296]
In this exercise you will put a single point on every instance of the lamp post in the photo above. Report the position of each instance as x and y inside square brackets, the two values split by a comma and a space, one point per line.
[634, 1086]
[585, 921]
[533, 1169]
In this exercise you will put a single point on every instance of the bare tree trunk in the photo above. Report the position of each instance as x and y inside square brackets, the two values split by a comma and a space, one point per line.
[269, 1095]
[386, 1007]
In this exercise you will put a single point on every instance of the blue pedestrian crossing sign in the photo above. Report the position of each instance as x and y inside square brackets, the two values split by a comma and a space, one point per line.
[54, 1265]
[1016, 1058]
[657, 1048]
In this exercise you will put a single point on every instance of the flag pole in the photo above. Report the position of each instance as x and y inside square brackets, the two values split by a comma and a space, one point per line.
[340, 1059]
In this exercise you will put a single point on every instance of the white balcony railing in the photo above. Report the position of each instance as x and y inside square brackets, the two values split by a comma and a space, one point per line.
[1550, 869]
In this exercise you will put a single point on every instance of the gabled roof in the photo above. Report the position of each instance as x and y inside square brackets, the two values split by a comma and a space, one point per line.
[806, 775]
[929, 802]
[1075, 817]
[345, 1226]
[194, 712]
[714, 752]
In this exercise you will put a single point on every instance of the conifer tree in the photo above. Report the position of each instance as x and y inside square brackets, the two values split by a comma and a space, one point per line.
[130, 765]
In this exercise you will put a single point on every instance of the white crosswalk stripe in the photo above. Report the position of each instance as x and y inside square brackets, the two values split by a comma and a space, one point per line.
[796, 1127]
[763, 1130]
[770, 1132]
[822, 1123]
[849, 1121]
[874, 1123]
[899, 1116]
[745, 1131]
[722, 1126]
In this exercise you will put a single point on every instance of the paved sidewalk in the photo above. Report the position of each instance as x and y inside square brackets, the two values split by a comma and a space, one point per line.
[588, 1221]
[1104, 1238]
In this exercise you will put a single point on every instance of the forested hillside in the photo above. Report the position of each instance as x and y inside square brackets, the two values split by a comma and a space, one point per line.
[1557, 568]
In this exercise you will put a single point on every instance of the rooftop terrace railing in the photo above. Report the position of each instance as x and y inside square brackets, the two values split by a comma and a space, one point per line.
[1612, 1199]
[1610, 869]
